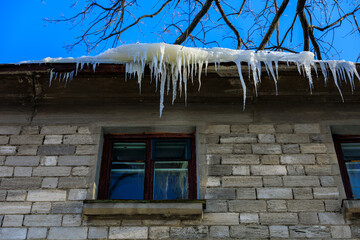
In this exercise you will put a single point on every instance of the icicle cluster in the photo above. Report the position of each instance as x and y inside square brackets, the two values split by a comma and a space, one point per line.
[172, 66]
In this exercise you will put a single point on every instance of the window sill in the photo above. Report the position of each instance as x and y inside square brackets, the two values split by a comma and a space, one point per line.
[141, 209]
[351, 209]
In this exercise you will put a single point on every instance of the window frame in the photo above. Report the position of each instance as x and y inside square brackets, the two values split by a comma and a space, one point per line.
[110, 139]
[338, 139]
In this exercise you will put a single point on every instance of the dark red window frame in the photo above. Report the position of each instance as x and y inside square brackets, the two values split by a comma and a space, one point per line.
[338, 139]
[110, 139]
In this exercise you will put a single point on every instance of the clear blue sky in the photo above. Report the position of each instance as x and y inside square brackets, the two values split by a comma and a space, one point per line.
[25, 36]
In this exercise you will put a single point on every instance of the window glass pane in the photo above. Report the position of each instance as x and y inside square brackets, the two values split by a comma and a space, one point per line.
[170, 180]
[127, 180]
[129, 151]
[351, 153]
[171, 149]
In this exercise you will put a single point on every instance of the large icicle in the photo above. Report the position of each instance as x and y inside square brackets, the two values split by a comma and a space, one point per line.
[172, 66]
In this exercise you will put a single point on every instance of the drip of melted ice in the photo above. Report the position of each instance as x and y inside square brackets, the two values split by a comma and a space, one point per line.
[172, 66]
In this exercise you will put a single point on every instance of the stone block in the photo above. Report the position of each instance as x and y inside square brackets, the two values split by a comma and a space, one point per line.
[22, 160]
[128, 233]
[6, 171]
[219, 148]
[247, 206]
[261, 128]
[73, 182]
[218, 129]
[4, 140]
[297, 159]
[249, 218]
[219, 232]
[309, 218]
[274, 193]
[266, 149]
[279, 231]
[341, 232]
[66, 129]
[249, 232]
[220, 193]
[279, 218]
[212, 139]
[305, 205]
[71, 220]
[241, 170]
[37, 233]
[290, 148]
[301, 231]
[83, 130]
[321, 138]
[216, 206]
[327, 181]
[307, 128]
[53, 139]
[239, 129]
[10, 130]
[331, 218]
[242, 148]
[292, 138]
[276, 206]
[318, 170]
[301, 181]
[7, 150]
[21, 183]
[284, 128]
[23, 171]
[2, 195]
[194, 232]
[239, 138]
[242, 181]
[212, 159]
[246, 193]
[313, 148]
[48, 160]
[220, 219]
[240, 159]
[67, 207]
[68, 233]
[75, 160]
[15, 208]
[295, 170]
[219, 170]
[213, 182]
[56, 150]
[266, 138]
[98, 232]
[159, 232]
[262, 170]
[270, 159]
[52, 171]
[77, 194]
[27, 150]
[16, 195]
[46, 195]
[26, 139]
[42, 220]
[272, 181]
[162, 222]
[41, 207]
[13, 233]
[78, 139]
[303, 193]
[326, 193]
[30, 130]
[13, 220]
[326, 159]
[86, 149]
[49, 183]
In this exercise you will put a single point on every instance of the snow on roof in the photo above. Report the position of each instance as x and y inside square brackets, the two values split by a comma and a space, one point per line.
[173, 66]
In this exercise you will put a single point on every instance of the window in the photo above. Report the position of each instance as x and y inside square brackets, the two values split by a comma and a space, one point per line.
[148, 167]
[348, 152]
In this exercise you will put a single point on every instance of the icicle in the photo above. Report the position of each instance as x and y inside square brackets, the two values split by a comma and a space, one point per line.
[51, 76]
[238, 64]
[332, 66]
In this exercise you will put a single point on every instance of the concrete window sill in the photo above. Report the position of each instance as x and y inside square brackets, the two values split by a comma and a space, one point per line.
[133, 209]
[351, 209]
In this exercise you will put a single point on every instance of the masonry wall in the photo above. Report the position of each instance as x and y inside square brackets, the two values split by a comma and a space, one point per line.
[260, 179]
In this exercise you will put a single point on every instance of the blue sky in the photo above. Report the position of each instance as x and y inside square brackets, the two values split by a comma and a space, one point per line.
[26, 36]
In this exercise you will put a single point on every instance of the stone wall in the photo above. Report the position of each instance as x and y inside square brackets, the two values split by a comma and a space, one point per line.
[259, 181]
